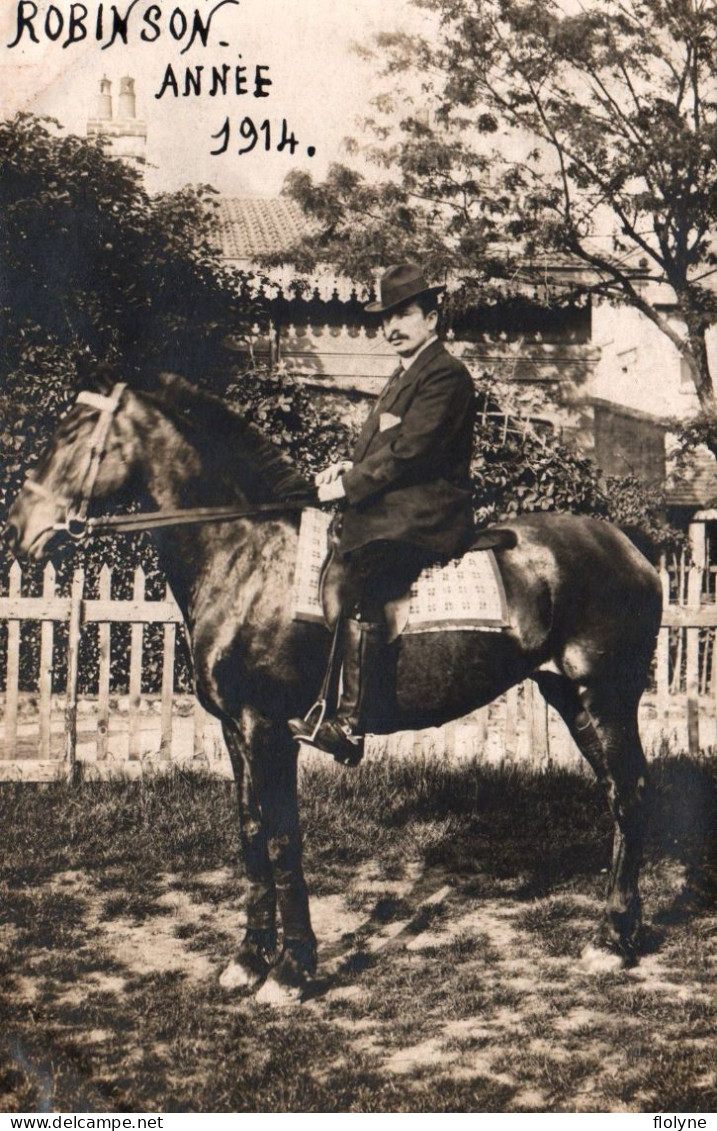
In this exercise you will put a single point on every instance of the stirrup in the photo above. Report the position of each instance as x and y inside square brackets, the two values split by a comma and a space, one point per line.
[305, 730]
[336, 738]
[318, 708]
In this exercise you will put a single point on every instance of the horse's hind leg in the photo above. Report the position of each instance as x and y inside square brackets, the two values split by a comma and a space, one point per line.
[606, 732]
[626, 780]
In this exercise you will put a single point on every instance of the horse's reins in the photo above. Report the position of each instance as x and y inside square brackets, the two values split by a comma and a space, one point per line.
[78, 526]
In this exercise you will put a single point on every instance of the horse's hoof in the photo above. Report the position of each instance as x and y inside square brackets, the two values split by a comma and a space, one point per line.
[621, 937]
[252, 963]
[292, 979]
[237, 977]
[280, 997]
[597, 960]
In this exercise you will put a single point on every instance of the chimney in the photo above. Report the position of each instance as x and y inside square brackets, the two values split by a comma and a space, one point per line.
[127, 107]
[104, 102]
[127, 134]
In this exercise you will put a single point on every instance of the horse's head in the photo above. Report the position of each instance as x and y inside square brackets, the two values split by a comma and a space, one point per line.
[91, 456]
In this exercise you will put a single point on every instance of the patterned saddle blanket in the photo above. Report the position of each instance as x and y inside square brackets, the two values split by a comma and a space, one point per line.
[466, 594]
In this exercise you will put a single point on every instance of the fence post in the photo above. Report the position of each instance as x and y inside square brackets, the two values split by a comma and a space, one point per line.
[13, 666]
[662, 654]
[47, 631]
[135, 670]
[694, 592]
[680, 599]
[713, 672]
[511, 723]
[199, 721]
[73, 656]
[103, 688]
[481, 732]
[536, 710]
[170, 635]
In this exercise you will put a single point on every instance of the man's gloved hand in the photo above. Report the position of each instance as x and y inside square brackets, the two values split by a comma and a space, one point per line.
[332, 472]
[328, 481]
[328, 492]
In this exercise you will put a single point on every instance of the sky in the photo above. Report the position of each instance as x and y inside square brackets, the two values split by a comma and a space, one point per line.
[319, 86]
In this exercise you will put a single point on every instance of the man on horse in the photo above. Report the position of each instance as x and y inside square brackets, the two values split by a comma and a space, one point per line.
[407, 496]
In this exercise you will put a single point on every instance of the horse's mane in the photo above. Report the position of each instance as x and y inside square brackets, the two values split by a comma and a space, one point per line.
[236, 449]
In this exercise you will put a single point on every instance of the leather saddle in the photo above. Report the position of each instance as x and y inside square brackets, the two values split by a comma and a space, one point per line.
[396, 612]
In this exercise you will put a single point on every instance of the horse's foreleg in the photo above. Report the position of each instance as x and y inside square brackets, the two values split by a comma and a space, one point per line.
[257, 951]
[272, 765]
[627, 796]
[290, 977]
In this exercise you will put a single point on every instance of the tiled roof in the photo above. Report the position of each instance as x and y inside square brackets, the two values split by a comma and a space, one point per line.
[252, 228]
[696, 484]
[249, 229]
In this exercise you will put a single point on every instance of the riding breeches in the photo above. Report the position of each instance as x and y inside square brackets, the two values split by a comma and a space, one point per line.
[379, 572]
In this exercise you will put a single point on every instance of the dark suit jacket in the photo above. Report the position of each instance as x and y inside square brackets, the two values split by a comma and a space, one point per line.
[410, 479]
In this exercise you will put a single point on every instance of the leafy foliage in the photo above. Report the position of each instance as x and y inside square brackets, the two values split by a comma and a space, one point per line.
[519, 468]
[310, 430]
[96, 265]
[515, 133]
[95, 270]
[701, 429]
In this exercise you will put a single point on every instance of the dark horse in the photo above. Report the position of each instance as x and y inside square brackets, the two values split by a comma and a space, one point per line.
[584, 609]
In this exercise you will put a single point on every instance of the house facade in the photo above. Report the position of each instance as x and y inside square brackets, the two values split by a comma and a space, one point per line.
[613, 378]
[615, 382]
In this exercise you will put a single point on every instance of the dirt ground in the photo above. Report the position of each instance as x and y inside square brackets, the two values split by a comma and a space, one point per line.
[454, 904]
[424, 982]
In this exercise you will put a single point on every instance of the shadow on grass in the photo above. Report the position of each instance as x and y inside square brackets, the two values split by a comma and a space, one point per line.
[496, 824]
[171, 1044]
[490, 825]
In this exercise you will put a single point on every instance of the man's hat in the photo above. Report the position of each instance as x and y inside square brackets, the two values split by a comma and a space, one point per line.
[401, 284]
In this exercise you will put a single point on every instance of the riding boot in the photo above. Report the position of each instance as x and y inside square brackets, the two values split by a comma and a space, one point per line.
[363, 663]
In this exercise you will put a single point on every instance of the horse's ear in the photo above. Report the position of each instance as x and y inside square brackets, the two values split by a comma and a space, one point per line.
[99, 376]
[176, 389]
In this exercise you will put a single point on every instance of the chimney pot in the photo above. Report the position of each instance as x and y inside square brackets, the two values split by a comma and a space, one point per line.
[127, 106]
[104, 102]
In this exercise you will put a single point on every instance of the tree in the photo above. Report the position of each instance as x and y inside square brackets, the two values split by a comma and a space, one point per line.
[517, 132]
[96, 270]
[93, 263]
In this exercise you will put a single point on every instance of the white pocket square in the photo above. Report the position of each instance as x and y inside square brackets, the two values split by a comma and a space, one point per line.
[387, 420]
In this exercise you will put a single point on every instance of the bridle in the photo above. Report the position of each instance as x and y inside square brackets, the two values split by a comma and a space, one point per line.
[75, 522]
[78, 526]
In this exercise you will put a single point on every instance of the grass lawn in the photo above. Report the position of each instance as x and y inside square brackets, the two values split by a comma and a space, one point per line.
[453, 905]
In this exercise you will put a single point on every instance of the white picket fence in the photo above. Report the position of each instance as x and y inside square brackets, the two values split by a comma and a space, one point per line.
[44, 737]
[140, 736]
